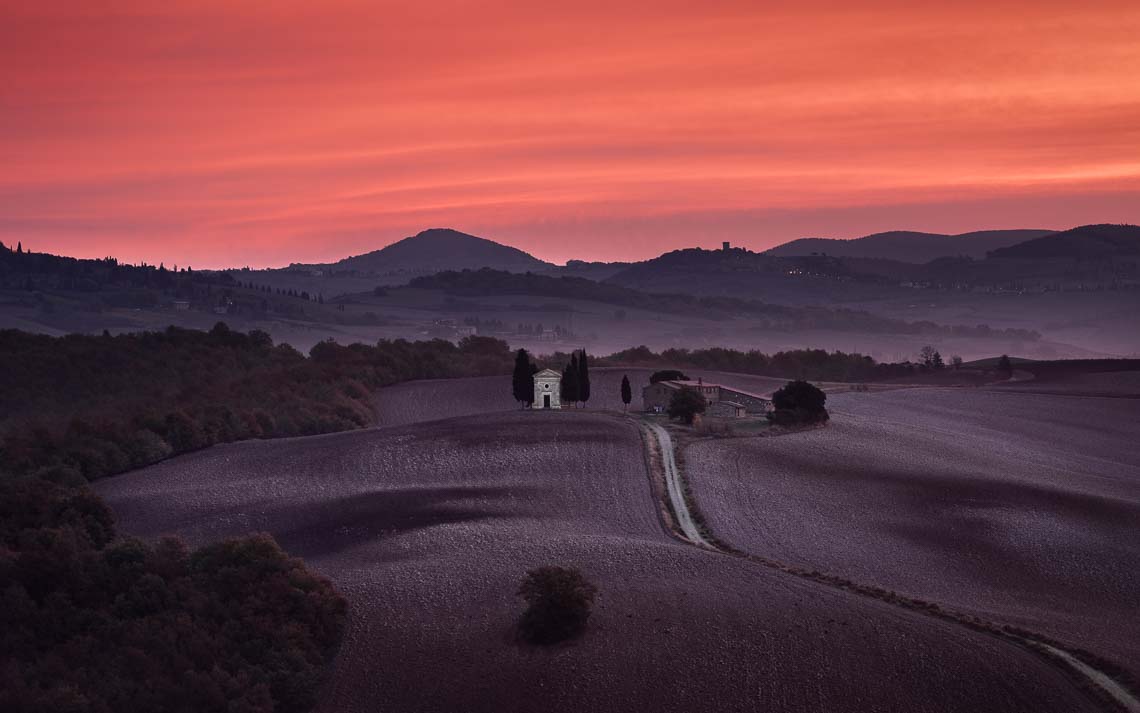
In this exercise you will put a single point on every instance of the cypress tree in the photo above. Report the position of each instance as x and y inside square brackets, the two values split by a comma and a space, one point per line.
[583, 378]
[522, 381]
[626, 392]
[569, 391]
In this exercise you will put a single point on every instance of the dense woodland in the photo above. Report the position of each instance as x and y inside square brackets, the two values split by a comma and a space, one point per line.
[55, 283]
[82, 407]
[94, 624]
[235, 626]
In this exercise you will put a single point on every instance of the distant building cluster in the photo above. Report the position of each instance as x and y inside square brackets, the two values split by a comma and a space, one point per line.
[450, 329]
[723, 400]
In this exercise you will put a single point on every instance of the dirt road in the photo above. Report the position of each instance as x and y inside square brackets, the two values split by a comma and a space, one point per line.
[675, 488]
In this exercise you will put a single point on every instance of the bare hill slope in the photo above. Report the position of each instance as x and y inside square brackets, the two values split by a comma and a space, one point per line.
[428, 529]
[1022, 508]
[1085, 242]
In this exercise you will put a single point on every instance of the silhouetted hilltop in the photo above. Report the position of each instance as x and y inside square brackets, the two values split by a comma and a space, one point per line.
[442, 249]
[1084, 242]
[909, 246]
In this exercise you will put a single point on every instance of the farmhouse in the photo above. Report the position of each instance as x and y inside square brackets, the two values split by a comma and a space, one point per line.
[547, 386]
[723, 400]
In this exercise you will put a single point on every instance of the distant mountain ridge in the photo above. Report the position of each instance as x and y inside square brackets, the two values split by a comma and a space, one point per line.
[1085, 242]
[910, 246]
[439, 249]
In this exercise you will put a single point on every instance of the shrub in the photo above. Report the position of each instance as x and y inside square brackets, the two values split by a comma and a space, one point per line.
[558, 600]
[686, 404]
[798, 402]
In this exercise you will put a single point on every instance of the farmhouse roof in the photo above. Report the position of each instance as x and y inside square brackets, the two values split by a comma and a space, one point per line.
[680, 384]
[548, 372]
[729, 389]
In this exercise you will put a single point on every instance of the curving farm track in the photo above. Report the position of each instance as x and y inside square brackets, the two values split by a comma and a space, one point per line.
[427, 528]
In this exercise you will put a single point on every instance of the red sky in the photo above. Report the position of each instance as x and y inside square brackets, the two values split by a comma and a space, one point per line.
[224, 132]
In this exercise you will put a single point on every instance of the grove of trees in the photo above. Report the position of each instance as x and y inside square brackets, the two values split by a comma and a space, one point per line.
[92, 623]
[575, 386]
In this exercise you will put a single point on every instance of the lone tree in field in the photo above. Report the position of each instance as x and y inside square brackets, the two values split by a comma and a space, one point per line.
[799, 402]
[558, 600]
[686, 404]
[626, 392]
[583, 378]
[522, 381]
[1005, 366]
[667, 375]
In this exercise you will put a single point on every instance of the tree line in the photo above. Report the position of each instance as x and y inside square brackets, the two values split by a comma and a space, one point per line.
[815, 364]
[81, 407]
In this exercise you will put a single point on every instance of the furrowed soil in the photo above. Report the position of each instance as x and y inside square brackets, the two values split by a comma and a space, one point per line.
[1023, 509]
[428, 530]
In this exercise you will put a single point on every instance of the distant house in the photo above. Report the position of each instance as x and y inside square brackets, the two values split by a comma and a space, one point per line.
[222, 309]
[723, 400]
[181, 305]
[547, 386]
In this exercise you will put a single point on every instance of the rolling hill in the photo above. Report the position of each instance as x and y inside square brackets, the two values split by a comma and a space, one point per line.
[427, 528]
[1085, 242]
[909, 246]
[442, 249]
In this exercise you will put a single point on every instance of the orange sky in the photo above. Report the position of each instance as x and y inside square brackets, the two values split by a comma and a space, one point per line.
[225, 132]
